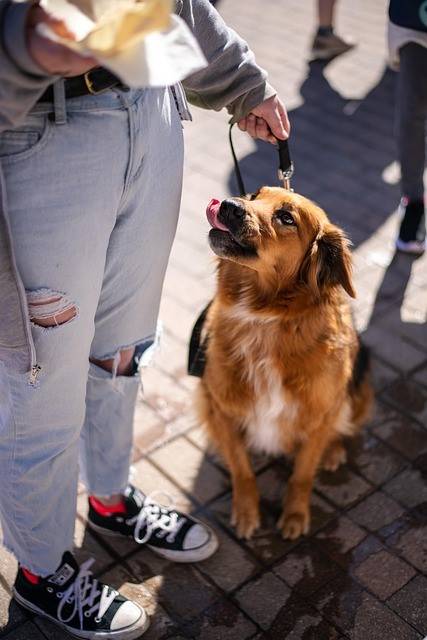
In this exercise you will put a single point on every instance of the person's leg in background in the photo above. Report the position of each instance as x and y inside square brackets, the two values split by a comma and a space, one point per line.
[326, 43]
[411, 118]
[125, 324]
[63, 199]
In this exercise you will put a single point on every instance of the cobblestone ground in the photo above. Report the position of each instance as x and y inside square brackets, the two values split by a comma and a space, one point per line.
[361, 572]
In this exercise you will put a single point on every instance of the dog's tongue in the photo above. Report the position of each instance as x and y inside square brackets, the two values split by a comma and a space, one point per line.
[212, 211]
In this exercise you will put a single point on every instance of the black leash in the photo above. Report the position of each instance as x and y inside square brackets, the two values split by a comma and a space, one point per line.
[286, 166]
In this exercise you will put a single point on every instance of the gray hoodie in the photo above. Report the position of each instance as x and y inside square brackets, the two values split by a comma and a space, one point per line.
[232, 80]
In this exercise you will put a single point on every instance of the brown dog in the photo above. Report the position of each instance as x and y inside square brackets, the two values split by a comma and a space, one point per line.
[283, 371]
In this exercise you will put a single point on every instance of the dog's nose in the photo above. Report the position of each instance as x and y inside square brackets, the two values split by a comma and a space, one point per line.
[232, 209]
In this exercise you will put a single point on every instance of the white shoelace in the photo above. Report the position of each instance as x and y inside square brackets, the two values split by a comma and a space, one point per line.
[155, 517]
[83, 592]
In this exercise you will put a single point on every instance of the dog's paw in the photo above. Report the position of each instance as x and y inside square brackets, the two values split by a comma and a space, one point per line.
[334, 457]
[293, 525]
[245, 518]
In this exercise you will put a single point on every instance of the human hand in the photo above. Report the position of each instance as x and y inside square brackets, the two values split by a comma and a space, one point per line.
[268, 121]
[52, 57]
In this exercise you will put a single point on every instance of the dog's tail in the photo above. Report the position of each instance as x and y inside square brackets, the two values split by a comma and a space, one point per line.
[361, 392]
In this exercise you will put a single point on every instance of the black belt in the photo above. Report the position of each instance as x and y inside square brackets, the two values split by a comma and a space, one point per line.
[93, 82]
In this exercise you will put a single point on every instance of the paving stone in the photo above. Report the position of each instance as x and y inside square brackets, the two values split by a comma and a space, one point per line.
[162, 628]
[180, 589]
[263, 598]
[272, 486]
[153, 482]
[381, 374]
[403, 434]
[29, 631]
[190, 469]
[11, 614]
[410, 397]
[50, 630]
[172, 357]
[410, 603]
[382, 412]
[409, 539]
[358, 614]
[150, 429]
[299, 620]
[392, 348]
[231, 565]
[177, 318]
[421, 376]
[384, 574]
[338, 538]
[8, 565]
[221, 621]
[375, 461]
[376, 511]
[352, 98]
[306, 569]
[164, 395]
[408, 487]
[367, 547]
[199, 437]
[342, 487]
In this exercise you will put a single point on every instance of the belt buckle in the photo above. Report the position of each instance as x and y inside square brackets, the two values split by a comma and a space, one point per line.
[90, 85]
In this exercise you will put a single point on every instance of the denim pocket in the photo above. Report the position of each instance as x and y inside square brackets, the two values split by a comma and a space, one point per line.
[22, 142]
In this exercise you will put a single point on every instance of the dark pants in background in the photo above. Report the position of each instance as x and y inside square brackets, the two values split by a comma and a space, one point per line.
[411, 118]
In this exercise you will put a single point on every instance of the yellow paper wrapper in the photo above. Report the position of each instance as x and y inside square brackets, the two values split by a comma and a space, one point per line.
[142, 42]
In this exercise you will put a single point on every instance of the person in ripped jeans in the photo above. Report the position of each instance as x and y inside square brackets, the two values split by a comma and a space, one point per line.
[91, 187]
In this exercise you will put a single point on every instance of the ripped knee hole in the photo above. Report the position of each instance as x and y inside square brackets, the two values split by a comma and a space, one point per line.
[49, 308]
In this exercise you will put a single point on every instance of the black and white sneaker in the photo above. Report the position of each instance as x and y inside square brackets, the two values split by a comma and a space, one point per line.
[412, 232]
[77, 602]
[169, 533]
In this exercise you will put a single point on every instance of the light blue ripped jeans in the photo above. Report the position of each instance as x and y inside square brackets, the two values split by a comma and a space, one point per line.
[93, 206]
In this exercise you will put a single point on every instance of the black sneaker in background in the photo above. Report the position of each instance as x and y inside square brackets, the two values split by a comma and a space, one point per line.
[76, 601]
[412, 232]
[169, 533]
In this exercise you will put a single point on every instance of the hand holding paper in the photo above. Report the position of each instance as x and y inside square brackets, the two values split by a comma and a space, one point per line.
[141, 42]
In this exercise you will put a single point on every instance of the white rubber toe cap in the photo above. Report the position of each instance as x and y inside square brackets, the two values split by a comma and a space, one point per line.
[197, 536]
[128, 615]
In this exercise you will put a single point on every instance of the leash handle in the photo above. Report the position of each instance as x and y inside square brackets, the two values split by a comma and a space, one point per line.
[286, 166]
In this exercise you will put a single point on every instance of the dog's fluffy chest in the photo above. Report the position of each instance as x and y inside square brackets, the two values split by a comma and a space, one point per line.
[269, 423]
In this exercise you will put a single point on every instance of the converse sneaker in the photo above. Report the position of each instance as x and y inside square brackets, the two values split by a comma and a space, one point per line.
[77, 602]
[169, 533]
[412, 232]
[329, 46]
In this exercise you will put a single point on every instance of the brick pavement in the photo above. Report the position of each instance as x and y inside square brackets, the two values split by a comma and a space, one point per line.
[361, 572]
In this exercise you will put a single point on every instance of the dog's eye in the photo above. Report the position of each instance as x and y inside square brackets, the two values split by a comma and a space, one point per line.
[285, 217]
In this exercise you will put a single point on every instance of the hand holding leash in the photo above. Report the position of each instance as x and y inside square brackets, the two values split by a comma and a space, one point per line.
[268, 121]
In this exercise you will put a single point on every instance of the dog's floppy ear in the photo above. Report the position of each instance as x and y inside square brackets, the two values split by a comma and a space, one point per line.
[328, 262]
